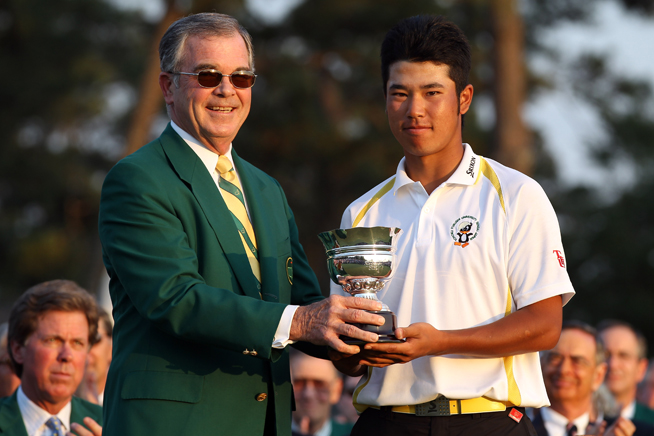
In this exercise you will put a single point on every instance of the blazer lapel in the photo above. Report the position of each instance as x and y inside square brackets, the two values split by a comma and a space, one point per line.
[75, 415]
[11, 421]
[190, 169]
[539, 424]
[258, 199]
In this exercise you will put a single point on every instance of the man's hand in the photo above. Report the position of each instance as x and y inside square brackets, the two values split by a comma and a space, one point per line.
[422, 339]
[621, 427]
[79, 430]
[348, 364]
[532, 328]
[323, 322]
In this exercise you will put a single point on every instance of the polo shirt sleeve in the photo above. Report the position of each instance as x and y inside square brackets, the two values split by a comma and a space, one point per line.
[536, 260]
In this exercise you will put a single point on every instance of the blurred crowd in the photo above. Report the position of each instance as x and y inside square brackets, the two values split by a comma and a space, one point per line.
[55, 353]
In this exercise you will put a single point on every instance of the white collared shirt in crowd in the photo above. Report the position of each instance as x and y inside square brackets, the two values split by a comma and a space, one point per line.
[629, 410]
[35, 417]
[325, 430]
[557, 424]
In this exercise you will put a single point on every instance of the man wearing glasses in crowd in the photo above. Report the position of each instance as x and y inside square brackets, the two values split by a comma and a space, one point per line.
[573, 371]
[208, 279]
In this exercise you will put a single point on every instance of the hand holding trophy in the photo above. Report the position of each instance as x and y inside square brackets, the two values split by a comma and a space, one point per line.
[361, 260]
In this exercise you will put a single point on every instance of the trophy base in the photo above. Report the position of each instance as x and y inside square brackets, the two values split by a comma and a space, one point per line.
[386, 331]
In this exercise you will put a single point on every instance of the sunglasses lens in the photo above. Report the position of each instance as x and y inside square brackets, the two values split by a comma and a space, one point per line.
[242, 80]
[209, 79]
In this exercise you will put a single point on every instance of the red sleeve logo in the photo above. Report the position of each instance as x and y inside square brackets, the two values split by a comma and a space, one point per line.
[559, 258]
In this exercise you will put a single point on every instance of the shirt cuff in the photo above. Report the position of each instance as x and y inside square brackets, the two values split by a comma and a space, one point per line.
[283, 332]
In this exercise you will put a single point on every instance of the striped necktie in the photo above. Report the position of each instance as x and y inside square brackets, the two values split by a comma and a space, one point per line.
[571, 430]
[233, 196]
[56, 426]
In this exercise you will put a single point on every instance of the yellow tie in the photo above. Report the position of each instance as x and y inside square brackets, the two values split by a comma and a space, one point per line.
[233, 196]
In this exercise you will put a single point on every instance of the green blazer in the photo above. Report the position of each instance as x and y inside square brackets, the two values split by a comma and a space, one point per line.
[188, 311]
[11, 421]
[644, 413]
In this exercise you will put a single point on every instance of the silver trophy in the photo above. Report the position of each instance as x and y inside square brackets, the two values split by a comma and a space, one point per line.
[361, 260]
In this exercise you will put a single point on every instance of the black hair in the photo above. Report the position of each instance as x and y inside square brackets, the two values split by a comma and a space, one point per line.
[428, 38]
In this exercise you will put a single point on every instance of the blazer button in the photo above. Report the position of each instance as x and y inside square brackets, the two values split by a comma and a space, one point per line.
[262, 397]
[246, 351]
[253, 353]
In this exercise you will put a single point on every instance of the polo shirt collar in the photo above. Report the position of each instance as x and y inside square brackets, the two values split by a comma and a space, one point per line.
[35, 418]
[465, 174]
[401, 177]
[468, 170]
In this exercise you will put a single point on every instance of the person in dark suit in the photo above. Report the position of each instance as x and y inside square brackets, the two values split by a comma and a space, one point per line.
[208, 280]
[626, 349]
[52, 327]
[645, 394]
[573, 371]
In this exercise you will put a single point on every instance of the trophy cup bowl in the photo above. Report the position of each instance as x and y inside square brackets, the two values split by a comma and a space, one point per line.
[361, 260]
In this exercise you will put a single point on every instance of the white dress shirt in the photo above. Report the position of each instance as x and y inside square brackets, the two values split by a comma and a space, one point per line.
[629, 410]
[35, 418]
[210, 159]
[556, 424]
[325, 430]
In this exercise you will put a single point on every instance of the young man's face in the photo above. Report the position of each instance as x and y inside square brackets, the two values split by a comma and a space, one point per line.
[424, 109]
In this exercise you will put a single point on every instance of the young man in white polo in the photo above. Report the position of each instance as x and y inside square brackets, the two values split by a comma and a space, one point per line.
[480, 278]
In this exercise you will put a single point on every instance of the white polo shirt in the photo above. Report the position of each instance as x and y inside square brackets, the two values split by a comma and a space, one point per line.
[484, 244]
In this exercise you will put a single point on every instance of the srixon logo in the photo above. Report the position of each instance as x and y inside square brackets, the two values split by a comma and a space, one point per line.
[471, 167]
[560, 258]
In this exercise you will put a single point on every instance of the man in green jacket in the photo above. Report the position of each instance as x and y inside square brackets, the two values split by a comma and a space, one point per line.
[208, 280]
[52, 327]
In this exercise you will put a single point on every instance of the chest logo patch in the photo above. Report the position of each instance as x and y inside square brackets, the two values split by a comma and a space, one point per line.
[464, 230]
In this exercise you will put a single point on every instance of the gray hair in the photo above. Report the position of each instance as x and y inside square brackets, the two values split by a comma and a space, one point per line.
[171, 47]
[600, 349]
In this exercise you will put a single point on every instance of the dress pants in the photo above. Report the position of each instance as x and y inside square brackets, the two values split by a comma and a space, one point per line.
[384, 422]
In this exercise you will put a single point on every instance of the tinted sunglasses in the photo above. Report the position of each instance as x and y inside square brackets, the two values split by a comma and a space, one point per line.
[212, 78]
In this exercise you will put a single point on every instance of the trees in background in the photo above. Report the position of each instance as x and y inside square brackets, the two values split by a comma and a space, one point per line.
[66, 87]
[608, 233]
[79, 91]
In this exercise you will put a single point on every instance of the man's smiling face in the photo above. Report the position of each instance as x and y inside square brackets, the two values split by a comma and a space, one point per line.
[211, 115]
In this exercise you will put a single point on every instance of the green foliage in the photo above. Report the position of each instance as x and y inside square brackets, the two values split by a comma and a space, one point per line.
[61, 60]
[317, 122]
[610, 244]
[317, 125]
